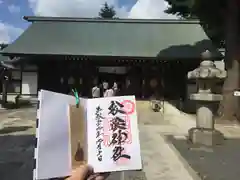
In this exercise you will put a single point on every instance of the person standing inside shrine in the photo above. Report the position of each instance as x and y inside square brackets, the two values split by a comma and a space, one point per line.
[109, 91]
[104, 87]
[115, 88]
[95, 91]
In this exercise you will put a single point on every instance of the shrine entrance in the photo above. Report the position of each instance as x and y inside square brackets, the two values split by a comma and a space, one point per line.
[62, 76]
[161, 80]
[113, 74]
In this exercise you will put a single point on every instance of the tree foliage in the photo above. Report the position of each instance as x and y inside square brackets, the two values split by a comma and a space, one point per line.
[220, 20]
[3, 45]
[210, 13]
[107, 12]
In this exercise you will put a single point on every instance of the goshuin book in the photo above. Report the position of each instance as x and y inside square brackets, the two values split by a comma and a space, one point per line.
[102, 132]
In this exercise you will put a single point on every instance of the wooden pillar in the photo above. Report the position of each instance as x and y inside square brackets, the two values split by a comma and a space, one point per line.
[4, 86]
[144, 81]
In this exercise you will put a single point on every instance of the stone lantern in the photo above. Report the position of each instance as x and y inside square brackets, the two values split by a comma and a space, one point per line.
[206, 76]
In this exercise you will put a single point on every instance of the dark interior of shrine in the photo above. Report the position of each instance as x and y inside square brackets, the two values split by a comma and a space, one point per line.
[163, 79]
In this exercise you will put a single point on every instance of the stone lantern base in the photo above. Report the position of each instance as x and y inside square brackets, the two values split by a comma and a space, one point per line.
[206, 137]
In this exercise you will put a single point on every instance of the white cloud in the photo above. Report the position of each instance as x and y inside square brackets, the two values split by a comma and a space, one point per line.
[1, 2]
[143, 9]
[8, 32]
[150, 9]
[13, 8]
[73, 8]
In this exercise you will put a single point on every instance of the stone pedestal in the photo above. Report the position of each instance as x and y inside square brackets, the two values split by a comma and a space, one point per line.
[206, 75]
[207, 137]
[204, 116]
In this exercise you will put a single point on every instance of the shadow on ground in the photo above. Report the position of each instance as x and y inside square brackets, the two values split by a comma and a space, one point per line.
[13, 105]
[220, 163]
[128, 175]
[11, 129]
[16, 160]
[16, 157]
[8, 105]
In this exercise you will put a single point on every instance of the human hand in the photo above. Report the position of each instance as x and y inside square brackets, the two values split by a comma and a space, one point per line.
[85, 172]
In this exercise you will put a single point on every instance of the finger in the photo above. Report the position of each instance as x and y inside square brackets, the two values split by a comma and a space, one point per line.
[92, 177]
[98, 176]
[81, 173]
[102, 176]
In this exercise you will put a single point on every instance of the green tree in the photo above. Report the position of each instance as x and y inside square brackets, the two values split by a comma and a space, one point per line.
[107, 12]
[220, 20]
[3, 45]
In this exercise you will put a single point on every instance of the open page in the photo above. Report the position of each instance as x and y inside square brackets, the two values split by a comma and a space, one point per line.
[53, 147]
[113, 143]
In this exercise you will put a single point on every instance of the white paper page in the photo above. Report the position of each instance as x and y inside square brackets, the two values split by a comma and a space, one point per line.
[53, 155]
[102, 160]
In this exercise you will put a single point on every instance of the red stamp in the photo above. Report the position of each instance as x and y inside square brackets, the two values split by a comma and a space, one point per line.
[129, 106]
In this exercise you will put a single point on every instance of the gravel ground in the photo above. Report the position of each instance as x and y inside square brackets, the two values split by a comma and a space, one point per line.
[217, 163]
[17, 128]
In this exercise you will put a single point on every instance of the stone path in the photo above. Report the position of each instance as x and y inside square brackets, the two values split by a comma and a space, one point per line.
[161, 160]
[17, 130]
[175, 160]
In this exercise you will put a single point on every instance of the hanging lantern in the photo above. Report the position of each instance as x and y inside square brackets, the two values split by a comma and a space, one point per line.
[153, 83]
[61, 80]
[71, 81]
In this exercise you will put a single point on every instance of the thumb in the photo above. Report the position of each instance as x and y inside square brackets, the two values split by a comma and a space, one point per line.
[81, 173]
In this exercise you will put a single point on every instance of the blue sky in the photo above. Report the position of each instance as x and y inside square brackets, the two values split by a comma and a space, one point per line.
[12, 11]
[14, 17]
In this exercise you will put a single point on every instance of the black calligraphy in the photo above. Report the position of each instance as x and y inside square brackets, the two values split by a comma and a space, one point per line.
[118, 153]
[99, 131]
[115, 107]
[119, 131]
